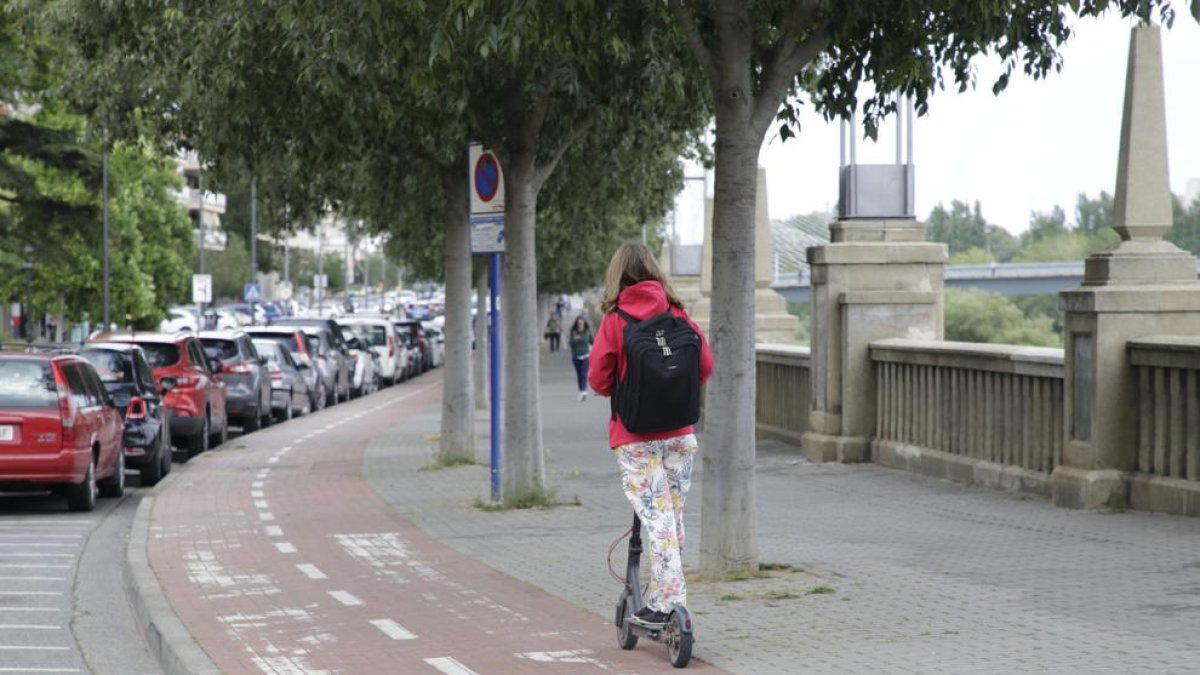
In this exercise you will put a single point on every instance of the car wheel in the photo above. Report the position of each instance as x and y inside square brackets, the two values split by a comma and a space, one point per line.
[114, 485]
[152, 471]
[251, 423]
[307, 405]
[199, 443]
[321, 397]
[267, 415]
[82, 496]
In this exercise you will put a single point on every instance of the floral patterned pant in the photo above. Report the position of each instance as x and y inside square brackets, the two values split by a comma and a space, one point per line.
[656, 477]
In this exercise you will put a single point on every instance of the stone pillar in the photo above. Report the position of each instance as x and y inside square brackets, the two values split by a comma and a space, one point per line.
[876, 279]
[772, 323]
[1141, 286]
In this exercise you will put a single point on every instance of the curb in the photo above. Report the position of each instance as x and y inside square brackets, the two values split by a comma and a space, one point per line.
[168, 640]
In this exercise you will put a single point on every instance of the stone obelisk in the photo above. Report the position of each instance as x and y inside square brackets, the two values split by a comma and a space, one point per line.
[1140, 287]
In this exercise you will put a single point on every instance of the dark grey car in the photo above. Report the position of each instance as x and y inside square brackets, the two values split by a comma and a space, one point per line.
[247, 381]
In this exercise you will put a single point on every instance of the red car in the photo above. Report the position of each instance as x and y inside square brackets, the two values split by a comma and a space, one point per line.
[197, 398]
[58, 429]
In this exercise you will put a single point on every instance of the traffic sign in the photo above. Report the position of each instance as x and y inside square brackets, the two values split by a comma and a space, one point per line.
[252, 293]
[320, 281]
[487, 233]
[201, 288]
[487, 181]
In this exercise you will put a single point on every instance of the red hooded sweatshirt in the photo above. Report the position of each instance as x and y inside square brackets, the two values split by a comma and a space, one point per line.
[641, 301]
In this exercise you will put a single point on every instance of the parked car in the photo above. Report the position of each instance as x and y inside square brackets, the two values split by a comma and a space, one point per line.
[289, 392]
[365, 363]
[421, 340]
[295, 342]
[248, 397]
[58, 429]
[222, 318]
[406, 337]
[197, 401]
[379, 335]
[126, 375]
[437, 344]
[333, 363]
[179, 318]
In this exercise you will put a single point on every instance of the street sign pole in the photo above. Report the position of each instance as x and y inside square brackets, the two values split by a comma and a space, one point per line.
[494, 360]
[486, 199]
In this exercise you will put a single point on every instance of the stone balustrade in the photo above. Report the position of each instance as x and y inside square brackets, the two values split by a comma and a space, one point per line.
[783, 391]
[981, 413]
[1168, 370]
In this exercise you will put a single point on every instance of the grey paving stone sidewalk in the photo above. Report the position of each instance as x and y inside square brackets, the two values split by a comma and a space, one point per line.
[892, 572]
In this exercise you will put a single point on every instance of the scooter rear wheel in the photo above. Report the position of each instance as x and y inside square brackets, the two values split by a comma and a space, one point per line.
[626, 638]
[679, 641]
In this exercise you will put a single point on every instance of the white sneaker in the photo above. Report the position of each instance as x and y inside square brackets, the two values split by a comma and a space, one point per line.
[582, 395]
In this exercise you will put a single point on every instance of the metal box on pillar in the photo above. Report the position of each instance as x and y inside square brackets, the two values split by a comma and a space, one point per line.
[876, 279]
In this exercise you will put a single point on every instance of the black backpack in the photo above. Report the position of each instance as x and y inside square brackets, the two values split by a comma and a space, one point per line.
[661, 389]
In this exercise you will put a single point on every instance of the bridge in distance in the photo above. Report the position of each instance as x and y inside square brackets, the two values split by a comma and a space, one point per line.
[1042, 278]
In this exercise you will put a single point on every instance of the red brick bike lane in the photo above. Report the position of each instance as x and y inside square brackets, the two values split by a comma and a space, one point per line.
[278, 558]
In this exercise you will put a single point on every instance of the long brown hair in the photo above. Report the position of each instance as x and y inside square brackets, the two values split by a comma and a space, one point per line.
[633, 263]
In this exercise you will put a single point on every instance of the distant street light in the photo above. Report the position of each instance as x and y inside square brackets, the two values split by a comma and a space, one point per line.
[27, 314]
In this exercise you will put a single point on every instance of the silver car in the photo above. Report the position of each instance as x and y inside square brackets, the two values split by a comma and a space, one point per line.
[290, 394]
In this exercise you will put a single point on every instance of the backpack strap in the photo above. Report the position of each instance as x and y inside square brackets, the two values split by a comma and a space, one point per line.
[612, 400]
[625, 314]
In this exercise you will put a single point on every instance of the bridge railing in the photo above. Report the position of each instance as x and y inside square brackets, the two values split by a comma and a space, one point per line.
[1168, 370]
[783, 391]
[981, 413]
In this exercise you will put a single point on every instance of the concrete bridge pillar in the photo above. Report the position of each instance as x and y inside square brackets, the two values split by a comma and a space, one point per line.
[876, 279]
[1141, 286]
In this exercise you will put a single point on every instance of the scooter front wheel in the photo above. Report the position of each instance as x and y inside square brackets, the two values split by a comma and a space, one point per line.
[678, 636]
[626, 638]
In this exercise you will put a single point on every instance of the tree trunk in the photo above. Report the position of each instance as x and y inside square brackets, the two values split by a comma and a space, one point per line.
[481, 334]
[523, 465]
[729, 519]
[458, 409]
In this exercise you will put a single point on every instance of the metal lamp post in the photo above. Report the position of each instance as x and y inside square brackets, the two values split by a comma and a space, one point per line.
[27, 315]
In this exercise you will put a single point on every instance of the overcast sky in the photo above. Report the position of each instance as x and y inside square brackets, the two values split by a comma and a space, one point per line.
[1038, 144]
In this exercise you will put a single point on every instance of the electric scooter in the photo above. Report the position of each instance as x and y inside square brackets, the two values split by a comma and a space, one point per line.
[676, 632]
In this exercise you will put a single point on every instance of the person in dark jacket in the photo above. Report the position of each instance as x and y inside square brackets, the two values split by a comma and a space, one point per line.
[580, 340]
[656, 468]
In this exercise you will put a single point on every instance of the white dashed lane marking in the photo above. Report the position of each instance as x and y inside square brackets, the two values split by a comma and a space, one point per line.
[393, 630]
[256, 494]
[450, 666]
[273, 531]
[311, 571]
[256, 484]
[261, 504]
[266, 515]
[347, 598]
[285, 547]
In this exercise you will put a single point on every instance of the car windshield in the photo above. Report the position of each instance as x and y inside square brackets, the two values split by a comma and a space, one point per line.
[219, 349]
[25, 383]
[112, 367]
[266, 349]
[160, 355]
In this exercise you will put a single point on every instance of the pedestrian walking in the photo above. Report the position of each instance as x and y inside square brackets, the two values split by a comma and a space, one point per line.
[580, 341]
[655, 466]
[554, 332]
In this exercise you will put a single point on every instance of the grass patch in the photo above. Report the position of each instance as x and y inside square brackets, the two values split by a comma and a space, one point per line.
[781, 595]
[538, 498]
[746, 576]
[820, 589]
[730, 597]
[775, 567]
